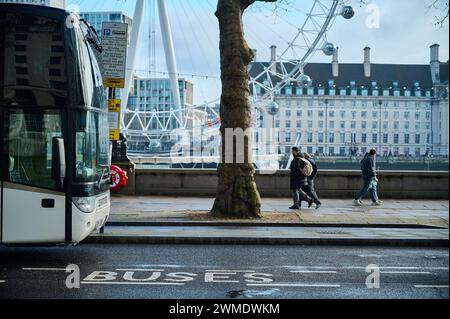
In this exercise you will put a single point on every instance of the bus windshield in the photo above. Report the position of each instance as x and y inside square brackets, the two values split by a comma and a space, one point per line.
[92, 147]
[32, 61]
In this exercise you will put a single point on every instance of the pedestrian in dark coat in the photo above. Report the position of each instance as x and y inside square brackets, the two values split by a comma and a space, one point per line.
[299, 182]
[370, 180]
[310, 189]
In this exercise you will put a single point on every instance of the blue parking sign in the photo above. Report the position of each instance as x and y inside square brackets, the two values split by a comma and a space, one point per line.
[107, 32]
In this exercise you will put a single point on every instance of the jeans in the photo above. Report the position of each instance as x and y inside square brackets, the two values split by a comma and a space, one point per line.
[369, 184]
[311, 191]
[298, 194]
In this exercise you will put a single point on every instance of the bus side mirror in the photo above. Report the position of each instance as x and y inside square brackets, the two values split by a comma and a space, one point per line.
[58, 161]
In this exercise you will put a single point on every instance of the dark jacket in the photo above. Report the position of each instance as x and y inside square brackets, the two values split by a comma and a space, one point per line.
[368, 167]
[298, 180]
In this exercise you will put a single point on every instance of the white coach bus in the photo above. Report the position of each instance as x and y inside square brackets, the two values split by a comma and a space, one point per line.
[54, 146]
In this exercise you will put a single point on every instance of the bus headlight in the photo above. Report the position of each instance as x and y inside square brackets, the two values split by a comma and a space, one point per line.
[85, 204]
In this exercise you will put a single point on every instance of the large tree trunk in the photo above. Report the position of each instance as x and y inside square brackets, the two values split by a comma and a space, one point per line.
[237, 194]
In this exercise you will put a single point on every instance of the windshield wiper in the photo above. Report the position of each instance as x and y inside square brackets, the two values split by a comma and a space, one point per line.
[99, 181]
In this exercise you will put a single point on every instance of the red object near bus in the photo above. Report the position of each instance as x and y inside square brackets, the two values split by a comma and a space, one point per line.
[119, 178]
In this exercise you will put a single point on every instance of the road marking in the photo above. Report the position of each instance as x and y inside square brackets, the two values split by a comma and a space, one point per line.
[431, 286]
[140, 269]
[46, 269]
[132, 283]
[229, 271]
[2, 281]
[295, 285]
[407, 272]
[315, 271]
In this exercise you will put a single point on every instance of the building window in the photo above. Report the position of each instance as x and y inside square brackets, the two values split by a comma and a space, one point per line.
[310, 137]
[428, 116]
[364, 114]
[374, 125]
[406, 151]
[406, 138]
[331, 137]
[310, 114]
[363, 138]
[417, 139]
[288, 124]
[385, 115]
[310, 124]
[299, 113]
[353, 138]
[299, 124]
[385, 138]
[353, 125]
[320, 114]
[374, 138]
[277, 123]
[395, 138]
[342, 124]
[342, 138]
[288, 113]
[331, 125]
[331, 150]
[342, 114]
[396, 125]
[406, 115]
[363, 125]
[374, 114]
[331, 114]
[320, 124]
[288, 137]
[406, 126]
[353, 115]
[320, 137]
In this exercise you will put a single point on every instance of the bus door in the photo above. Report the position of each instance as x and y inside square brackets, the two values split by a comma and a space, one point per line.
[34, 203]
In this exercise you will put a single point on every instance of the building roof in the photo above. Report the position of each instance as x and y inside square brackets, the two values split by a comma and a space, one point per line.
[383, 74]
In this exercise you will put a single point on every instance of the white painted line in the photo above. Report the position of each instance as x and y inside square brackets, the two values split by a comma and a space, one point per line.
[315, 271]
[2, 281]
[140, 269]
[132, 283]
[46, 269]
[295, 285]
[229, 270]
[431, 286]
[407, 272]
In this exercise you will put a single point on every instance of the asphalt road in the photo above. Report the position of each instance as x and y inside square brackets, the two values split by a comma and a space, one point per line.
[221, 272]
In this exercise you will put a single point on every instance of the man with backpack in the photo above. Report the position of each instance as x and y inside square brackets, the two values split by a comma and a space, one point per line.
[300, 170]
[310, 190]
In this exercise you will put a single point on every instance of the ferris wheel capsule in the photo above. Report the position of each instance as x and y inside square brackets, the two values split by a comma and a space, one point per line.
[328, 49]
[304, 80]
[273, 108]
[347, 12]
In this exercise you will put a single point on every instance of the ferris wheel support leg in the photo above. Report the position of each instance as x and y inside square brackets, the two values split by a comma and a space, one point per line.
[131, 56]
[170, 55]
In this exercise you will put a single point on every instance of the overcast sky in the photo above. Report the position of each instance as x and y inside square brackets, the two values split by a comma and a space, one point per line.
[405, 32]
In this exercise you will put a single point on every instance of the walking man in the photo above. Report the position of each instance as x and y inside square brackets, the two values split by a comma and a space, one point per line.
[298, 180]
[310, 189]
[370, 180]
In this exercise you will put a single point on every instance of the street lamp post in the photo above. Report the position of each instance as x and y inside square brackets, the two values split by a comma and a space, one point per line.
[326, 126]
[380, 103]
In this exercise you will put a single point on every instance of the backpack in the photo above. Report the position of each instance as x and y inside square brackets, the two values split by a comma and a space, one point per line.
[307, 170]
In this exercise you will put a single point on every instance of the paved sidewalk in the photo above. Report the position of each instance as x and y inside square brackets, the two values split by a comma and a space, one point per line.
[155, 210]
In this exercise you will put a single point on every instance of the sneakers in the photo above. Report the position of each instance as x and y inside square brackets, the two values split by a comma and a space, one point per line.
[318, 205]
[310, 202]
[377, 203]
[294, 207]
[357, 202]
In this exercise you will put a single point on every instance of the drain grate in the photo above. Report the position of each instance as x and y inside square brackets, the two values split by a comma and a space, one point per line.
[333, 232]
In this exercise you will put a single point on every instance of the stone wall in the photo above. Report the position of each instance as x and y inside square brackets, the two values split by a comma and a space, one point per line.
[329, 183]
